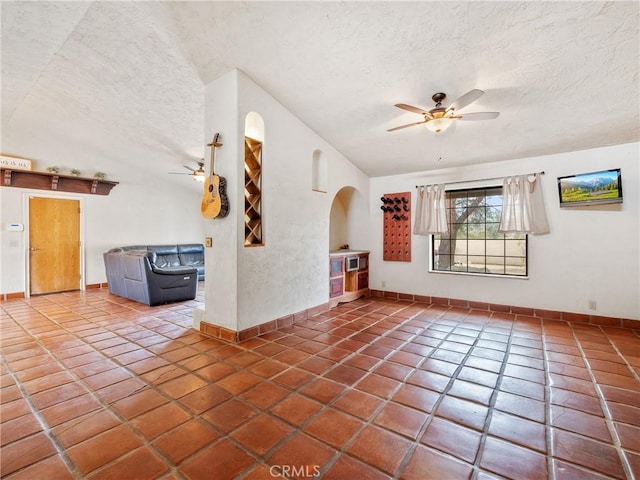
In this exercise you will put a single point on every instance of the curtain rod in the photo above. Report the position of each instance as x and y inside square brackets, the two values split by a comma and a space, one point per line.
[483, 179]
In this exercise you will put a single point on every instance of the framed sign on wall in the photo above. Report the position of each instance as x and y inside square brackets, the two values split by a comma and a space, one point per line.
[14, 163]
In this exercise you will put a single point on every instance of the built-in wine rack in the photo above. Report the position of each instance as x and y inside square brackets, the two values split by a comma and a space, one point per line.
[396, 208]
[252, 192]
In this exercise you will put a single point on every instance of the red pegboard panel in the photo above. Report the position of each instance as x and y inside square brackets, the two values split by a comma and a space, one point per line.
[396, 208]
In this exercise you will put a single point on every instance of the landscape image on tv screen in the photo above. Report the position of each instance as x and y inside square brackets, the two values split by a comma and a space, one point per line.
[590, 188]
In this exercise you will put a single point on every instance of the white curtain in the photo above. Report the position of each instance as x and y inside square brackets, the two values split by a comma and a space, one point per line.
[431, 210]
[523, 206]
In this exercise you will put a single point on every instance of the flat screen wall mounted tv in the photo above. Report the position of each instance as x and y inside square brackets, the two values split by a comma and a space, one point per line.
[590, 188]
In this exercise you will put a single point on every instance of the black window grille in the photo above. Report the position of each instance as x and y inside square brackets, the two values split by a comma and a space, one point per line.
[474, 244]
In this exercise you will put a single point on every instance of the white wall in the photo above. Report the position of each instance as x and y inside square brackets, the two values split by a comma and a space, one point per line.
[142, 209]
[591, 254]
[221, 285]
[290, 272]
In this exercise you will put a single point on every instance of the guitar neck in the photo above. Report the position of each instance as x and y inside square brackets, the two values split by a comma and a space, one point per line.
[214, 143]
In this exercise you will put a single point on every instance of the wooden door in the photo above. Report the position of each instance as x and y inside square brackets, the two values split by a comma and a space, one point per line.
[54, 245]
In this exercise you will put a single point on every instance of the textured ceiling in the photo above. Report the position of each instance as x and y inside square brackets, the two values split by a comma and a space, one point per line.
[125, 79]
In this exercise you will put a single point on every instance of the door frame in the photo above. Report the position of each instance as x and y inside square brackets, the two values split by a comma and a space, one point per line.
[27, 267]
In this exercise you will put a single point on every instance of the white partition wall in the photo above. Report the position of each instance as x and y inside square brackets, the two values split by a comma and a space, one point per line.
[289, 272]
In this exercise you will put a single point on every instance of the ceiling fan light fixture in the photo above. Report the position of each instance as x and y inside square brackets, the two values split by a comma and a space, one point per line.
[440, 118]
[438, 125]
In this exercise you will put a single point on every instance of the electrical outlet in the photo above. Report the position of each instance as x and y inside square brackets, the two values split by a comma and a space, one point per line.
[593, 305]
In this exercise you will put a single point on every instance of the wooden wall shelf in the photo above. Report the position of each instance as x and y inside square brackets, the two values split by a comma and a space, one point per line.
[55, 182]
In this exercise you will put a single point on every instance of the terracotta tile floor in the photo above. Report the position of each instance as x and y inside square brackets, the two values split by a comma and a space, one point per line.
[95, 386]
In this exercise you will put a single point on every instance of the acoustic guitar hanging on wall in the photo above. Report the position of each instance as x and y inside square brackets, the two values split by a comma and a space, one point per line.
[214, 200]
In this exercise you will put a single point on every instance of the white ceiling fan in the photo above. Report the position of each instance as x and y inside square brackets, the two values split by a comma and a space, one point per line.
[440, 118]
[197, 174]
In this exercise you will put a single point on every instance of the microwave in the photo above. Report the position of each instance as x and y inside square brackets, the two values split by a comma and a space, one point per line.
[353, 263]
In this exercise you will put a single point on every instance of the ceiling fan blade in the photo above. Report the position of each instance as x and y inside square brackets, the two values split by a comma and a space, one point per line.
[189, 168]
[178, 173]
[410, 108]
[405, 126]
[466, 99]
[478, 116]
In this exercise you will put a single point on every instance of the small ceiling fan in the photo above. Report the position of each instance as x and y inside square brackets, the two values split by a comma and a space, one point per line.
[197, 174]
[440, 118]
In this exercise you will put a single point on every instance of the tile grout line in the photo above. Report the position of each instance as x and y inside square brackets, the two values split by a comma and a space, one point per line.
[173, 468]
[366, 423]
[74, 329]
[155, 387]
[441, 395]
[634, 374]
[547, 404]
[387, 400]
[60, 450]
[372, 416]
[617, 444]
[297, 429]
[477, 467]
[93, 393]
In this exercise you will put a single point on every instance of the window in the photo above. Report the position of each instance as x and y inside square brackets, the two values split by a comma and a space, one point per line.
[473, 243]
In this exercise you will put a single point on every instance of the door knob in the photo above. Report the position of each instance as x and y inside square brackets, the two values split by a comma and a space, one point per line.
[34, 249]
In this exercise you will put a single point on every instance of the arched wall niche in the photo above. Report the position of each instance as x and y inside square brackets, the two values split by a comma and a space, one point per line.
[348, 224]
[254, 126]
[319, 174]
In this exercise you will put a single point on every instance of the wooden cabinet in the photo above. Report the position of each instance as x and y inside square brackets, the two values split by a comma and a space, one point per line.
[348, 278]
[336, 276]
[362, 280]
